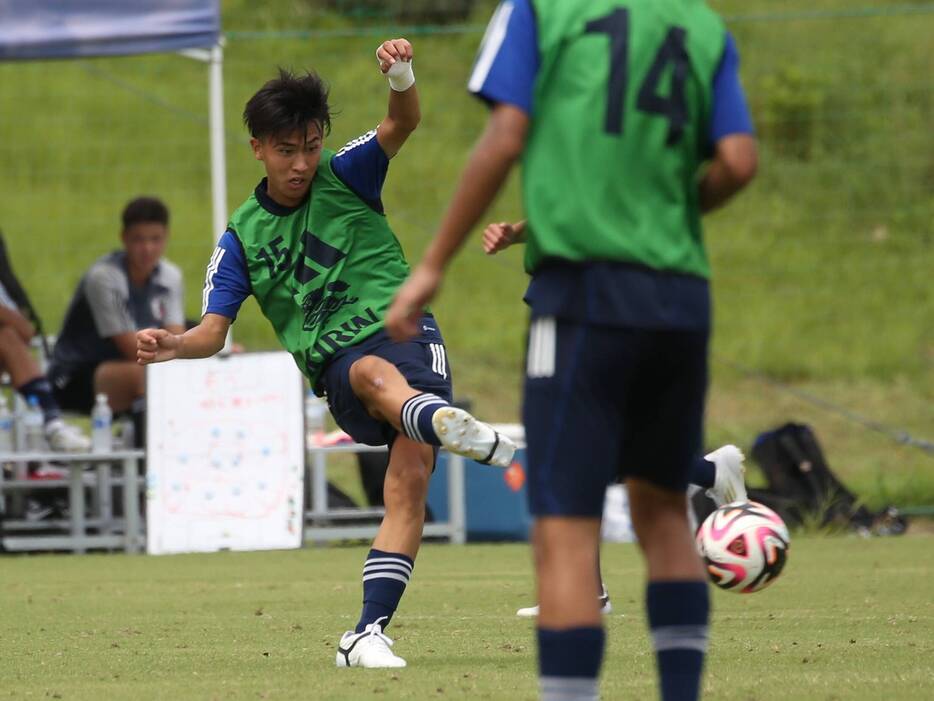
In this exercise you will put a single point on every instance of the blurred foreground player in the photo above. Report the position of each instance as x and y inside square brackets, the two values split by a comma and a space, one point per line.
[312, 244]
[614, 106]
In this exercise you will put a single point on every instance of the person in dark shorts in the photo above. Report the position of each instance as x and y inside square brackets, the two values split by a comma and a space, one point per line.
[312, 244]
[630, 121]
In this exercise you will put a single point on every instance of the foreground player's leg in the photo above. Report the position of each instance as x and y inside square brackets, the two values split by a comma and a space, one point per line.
[676, 597]
[389, 563]
[424, 417]
[570, 634]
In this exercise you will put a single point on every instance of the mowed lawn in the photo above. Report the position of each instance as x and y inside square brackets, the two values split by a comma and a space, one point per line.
[850, 619]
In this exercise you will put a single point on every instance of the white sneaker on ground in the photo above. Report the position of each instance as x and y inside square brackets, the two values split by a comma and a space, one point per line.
[64, 438]
[461, 433]
[729, 483]
[605, 607]
[368, 649]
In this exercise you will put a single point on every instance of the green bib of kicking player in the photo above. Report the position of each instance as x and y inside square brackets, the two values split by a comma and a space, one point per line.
[608, 68]
[324, 272]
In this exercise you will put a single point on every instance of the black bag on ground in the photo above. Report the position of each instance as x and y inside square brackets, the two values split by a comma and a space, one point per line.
[802, 485]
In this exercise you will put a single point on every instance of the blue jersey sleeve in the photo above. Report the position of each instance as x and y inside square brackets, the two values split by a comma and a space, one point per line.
[508, 60]
[730, 112]
[226, 282]
[362, 165]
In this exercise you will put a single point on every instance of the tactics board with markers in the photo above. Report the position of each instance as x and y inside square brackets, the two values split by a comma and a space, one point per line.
[224, 454]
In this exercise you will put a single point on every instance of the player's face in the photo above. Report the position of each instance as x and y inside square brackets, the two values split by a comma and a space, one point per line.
[144, 243]
[291, 161]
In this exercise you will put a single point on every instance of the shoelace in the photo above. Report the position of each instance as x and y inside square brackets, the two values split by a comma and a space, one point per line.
[376, 630]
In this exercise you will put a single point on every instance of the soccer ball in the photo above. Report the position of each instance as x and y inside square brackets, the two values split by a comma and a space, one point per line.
[744, 546]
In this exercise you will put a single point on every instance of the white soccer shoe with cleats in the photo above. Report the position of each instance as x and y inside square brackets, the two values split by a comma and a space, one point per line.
[729, 483]
[370, 649]
[606, 607]
[462, 434]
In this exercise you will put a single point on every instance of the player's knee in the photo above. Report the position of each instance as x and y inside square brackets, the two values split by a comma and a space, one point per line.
[367, 375]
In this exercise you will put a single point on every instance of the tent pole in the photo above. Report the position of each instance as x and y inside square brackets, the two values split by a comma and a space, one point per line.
[218, 155]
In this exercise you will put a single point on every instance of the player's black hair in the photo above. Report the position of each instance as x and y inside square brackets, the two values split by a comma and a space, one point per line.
[145, 209]
[288, 104]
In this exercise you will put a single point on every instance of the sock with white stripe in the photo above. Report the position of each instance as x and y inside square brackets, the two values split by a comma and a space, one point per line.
[384, 578]
[569, 662]
[678, 613]
[416, 417]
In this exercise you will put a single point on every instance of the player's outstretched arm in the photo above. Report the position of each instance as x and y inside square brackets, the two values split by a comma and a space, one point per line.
[732, 168]
[202, 341]
[502, 235]
[395, 61]
[493, 156]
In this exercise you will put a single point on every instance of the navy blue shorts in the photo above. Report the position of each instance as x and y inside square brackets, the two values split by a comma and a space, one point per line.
[604, 403]
[422, 361]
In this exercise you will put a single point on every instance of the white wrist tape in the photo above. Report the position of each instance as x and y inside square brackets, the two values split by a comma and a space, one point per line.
[401, 76]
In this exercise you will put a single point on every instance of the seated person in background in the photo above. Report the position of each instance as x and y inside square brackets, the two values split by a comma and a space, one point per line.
[126, 290]
[16, 332]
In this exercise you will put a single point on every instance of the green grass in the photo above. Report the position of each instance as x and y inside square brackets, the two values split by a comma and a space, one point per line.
[821, 269]
[850, 619]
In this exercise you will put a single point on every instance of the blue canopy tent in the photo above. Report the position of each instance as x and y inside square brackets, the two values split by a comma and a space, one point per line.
[64, 29]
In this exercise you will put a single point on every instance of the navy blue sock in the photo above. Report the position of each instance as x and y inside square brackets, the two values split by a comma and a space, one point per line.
[42, 390]
[384, 578]
[416, 417]
[703, 473]
[678, 613]
[569, 662]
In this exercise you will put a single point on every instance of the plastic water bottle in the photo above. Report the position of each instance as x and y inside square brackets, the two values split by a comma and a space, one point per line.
[33, 421]
[316, 411]
[6, 426]
[101, 419]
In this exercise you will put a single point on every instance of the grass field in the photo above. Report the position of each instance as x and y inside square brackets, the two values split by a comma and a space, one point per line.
[850, 619]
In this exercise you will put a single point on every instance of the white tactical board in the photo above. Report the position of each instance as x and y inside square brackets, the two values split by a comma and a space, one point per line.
[224, 453]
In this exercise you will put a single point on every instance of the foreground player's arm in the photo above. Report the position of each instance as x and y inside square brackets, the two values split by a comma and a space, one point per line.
[402, 117]
[735, 156]
[501, 235]
[503, 76]
[493, 157]
[202, 341]
[732, 168]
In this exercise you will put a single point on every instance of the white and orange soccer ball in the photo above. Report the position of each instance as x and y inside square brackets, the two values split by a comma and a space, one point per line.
[744, 546]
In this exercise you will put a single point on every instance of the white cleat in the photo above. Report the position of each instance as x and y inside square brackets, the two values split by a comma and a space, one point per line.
[606, 607]
[64, 438]
[368, 649]
[461, 433]
[729, 483]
